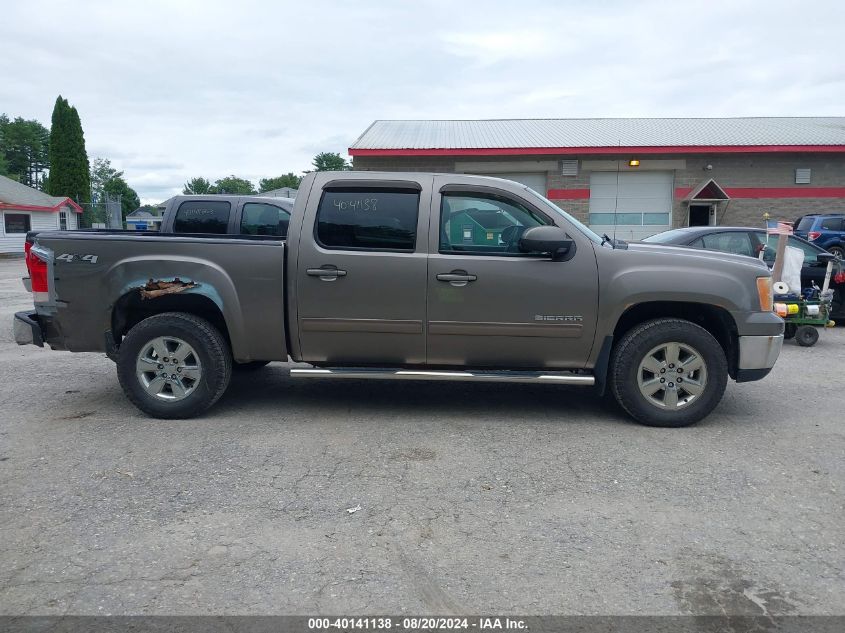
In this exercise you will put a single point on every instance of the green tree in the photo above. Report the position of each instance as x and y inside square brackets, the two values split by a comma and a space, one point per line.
[233, 184]
[117, 187]
[69, 168]
[197, 186]
[327, 161]
[286, 180]
[101, 173]
[24, 150]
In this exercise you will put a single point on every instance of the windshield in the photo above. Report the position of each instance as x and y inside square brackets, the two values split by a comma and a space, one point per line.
[666, 237]
[556, 209]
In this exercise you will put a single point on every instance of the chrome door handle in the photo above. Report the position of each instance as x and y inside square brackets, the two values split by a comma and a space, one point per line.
[457, 277]
[326, 273]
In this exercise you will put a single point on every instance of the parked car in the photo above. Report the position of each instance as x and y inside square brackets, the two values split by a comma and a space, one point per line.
[373, 282]
[750, 241]
[826, 230]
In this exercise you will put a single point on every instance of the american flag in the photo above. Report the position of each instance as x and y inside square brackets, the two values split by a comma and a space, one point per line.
[780, 228]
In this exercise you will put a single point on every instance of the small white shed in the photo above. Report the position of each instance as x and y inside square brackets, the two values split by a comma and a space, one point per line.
[25, 209]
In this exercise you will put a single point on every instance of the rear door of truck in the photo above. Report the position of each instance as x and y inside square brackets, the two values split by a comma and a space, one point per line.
[361, 271]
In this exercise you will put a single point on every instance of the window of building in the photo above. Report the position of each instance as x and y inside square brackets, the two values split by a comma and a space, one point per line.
[16, 223]
[373, 219]
[484, 224]
[63, 220]
[803, 176]
[202, 216]
[264, 219]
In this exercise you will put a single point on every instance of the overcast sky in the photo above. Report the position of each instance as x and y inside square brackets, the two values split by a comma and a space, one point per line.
[171, 90]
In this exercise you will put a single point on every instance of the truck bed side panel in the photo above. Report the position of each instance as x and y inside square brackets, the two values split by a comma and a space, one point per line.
[244, 278]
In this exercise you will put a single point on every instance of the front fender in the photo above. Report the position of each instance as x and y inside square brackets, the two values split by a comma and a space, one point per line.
[624, 288]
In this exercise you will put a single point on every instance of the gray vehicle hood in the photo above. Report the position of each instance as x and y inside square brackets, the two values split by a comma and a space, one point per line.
[689, 254]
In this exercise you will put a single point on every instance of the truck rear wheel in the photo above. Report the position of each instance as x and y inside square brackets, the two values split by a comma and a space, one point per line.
[668, 372]
[174, 365]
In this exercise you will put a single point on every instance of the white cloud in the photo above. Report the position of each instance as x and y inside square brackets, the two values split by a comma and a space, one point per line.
[487, 48]
[169, 91]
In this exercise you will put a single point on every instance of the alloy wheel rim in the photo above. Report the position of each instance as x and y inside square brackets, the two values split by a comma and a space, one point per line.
[168, 368]
[672, 375]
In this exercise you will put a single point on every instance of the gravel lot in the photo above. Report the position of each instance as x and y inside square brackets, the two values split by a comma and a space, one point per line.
[474, 498]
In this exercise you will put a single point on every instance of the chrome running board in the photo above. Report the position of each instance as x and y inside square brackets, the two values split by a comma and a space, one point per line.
[559, 378]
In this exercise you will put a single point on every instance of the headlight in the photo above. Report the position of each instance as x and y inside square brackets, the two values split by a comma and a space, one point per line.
[764, 293]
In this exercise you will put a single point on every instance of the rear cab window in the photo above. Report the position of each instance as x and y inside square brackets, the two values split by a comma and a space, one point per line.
[259, 218]
[368, 219]
[203, 216]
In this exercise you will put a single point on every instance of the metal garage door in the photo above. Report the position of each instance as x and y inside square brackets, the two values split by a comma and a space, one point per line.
[631, 205]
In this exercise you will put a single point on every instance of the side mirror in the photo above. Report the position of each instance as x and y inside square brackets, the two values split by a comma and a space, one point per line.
[824, 258]
[547, 239]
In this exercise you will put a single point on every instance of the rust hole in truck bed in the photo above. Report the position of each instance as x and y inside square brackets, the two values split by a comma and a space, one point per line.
[157, 288]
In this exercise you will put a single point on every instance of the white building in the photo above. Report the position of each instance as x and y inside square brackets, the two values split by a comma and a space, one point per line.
[25, 209]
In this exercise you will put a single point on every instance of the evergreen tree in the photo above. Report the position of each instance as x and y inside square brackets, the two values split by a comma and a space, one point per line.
[69, 169]
[24, 147]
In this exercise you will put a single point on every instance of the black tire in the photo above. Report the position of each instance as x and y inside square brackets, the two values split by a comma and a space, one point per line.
[806, 336]
[634, 348]
[251, 366]
[789, 331]
[837, 250]
[211, 349]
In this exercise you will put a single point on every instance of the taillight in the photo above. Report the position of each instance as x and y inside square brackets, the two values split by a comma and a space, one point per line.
[27, 246]
[38, 277]
[813, 235]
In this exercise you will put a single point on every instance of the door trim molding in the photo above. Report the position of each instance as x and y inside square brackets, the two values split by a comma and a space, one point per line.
[383, 326]
[492, 328]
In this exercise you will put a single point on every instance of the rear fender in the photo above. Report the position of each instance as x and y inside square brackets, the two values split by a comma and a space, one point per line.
[137, 275]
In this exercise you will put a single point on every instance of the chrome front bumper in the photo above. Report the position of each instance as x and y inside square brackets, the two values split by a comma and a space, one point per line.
[759, 352]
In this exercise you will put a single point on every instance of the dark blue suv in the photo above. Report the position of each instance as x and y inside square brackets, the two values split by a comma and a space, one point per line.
[825, 230]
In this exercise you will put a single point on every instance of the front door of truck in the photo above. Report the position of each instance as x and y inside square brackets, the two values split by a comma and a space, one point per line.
[361, 272]
[489, 305]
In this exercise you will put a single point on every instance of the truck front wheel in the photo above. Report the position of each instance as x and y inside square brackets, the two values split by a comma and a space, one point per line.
[668, 372]
[174, 365]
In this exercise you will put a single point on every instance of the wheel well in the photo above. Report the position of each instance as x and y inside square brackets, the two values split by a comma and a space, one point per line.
[130, 310]
[714, 319]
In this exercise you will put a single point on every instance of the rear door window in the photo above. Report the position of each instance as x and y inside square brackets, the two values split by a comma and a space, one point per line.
[832, 224]
[259, 218]
[806, 223]
[203, 216]
[368, 219]
[737, 242]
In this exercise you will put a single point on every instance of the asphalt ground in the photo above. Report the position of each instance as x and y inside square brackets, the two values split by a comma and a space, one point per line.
[473, 498]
